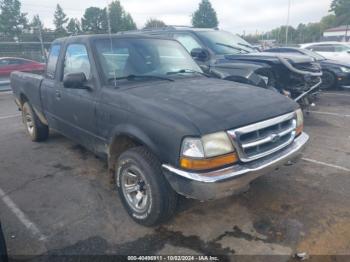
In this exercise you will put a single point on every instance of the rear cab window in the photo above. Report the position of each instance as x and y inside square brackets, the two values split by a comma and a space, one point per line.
[52, 61]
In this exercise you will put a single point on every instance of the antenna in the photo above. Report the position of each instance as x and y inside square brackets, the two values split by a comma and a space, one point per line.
[287, 24]
[110, 39]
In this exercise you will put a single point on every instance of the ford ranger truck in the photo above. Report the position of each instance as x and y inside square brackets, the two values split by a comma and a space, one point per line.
[143, 104]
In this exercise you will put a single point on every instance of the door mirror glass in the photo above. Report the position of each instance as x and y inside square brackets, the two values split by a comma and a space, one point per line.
[75, 81]
[200, 54]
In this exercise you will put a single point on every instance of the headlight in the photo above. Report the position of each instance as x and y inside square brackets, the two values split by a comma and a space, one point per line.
[300, 121]
[210, 151]
[345, 69]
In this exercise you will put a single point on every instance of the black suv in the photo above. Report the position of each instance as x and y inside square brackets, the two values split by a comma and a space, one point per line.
[230, 57]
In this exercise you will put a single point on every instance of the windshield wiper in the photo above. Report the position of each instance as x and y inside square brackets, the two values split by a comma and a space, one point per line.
[187, 71]
[233, 47]
[134, 77]
[247, 46]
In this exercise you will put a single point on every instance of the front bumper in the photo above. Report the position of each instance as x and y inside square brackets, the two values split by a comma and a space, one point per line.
[231, 180]
[343, 80]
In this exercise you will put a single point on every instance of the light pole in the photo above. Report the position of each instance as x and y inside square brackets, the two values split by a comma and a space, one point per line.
[287, 24]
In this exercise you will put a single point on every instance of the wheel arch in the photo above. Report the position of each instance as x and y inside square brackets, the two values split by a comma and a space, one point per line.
[123, 138]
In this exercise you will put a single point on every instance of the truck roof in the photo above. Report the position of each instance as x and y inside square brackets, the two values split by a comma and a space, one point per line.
[166, 29]
[100, 36]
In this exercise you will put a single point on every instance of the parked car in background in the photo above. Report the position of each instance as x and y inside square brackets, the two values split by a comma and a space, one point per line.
[3, 250]
[11, 64]
[144, 105]
[339, 51]
[228, 56]
[335, 73]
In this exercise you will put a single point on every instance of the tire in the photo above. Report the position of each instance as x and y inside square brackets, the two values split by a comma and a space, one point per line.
[36, 130]
[143, 189]
[329, 80]
[3, 251]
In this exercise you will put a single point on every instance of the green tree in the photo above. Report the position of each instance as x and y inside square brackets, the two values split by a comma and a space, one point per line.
[205, 16]
[119, 19]
[328, 21]
[12, 21]
[60, 20]
[36, 23]
[341, 9]
[95, 21]
[73, 27]
[128, 22]
[154, 23]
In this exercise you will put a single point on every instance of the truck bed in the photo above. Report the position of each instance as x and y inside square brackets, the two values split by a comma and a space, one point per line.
[26, 86]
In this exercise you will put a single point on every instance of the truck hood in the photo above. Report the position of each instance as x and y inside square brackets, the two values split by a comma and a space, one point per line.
[211, 105]
[271, 57]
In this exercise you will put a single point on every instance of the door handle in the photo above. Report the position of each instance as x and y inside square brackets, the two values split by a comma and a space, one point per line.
[58, 94]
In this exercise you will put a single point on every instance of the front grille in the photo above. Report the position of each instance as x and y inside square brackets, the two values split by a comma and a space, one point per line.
[264, 138]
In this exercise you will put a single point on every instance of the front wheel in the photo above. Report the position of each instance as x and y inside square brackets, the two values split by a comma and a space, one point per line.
[143, 189]
[329, 80]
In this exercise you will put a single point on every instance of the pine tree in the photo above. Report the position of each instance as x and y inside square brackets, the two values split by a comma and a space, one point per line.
[73, 27]
[95, 21]
[12, 21]
[60, 20]
[119, 19]
[205, 16]
[154, 23]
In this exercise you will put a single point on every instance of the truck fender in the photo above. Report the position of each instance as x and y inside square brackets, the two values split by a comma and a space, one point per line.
[123, 137]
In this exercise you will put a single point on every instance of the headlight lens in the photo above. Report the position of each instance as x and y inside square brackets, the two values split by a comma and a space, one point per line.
[345, 69]
[300, 121]
[192, 147]
[210, 151]
[217, 144]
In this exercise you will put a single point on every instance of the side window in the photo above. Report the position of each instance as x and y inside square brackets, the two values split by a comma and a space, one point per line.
[322, 48]
[341, 48]
[4, 62]
[188, 41]
[52, 61]
[77, 60]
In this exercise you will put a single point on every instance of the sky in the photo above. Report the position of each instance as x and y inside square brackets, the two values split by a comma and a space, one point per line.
[238, 16]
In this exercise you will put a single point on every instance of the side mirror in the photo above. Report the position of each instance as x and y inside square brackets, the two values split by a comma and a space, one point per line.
[75, 81]
[200, 54]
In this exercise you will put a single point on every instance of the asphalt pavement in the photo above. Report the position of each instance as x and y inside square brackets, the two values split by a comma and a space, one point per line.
[55, 199]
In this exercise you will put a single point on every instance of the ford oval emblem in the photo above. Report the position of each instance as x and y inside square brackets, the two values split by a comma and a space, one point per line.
[275, 138]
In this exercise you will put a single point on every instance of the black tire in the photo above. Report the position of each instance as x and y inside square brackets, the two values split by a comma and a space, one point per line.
[161, 198]
[329, 80]
[3, 250]
[36, 130]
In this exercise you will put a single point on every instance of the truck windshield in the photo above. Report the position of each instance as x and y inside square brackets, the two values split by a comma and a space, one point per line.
[225, 43]
[122, 58]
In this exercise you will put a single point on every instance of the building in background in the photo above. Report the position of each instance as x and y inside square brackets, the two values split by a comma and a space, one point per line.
[340, 33]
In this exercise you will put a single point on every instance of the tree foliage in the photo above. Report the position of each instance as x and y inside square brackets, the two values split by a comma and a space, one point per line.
[205, 16]
[95, 21]
[341, 9]
[73, 27]
[12, 20]
[119, 19]
[154, 23]
[60, 21]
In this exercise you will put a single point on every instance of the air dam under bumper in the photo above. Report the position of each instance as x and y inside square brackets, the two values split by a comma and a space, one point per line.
[231, 180]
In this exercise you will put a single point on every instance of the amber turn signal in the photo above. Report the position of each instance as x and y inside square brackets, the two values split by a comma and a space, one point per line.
[299, 130]
[208, 163]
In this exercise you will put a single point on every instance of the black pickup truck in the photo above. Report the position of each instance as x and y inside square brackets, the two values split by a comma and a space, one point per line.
[144, 105]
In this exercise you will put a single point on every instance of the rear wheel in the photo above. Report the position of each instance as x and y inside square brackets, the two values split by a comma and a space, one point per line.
[328, 80]
[34, 127]
[143, 189]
